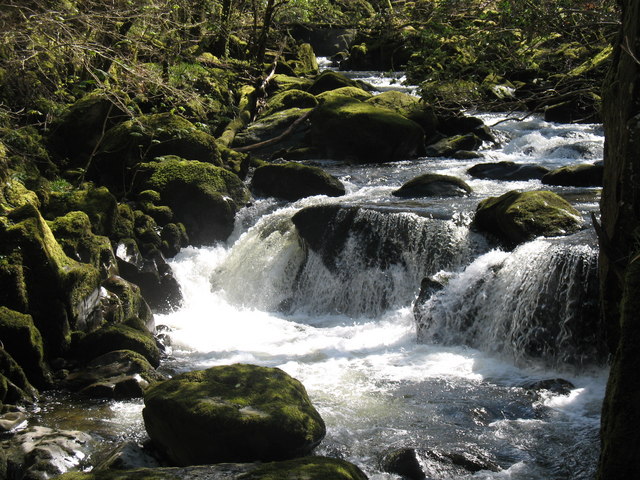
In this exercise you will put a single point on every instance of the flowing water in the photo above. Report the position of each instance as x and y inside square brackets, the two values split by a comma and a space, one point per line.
[449, 377]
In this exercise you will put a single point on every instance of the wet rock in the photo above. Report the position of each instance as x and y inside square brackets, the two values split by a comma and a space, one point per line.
[508, 171]
[151, 274]
[12, 421]
[118, 337]
[554, 385]
[39, 453]
[467, 461]
[230, 414]
[516, 217]
[14, 386]
[404, 462]
[309, 468]
[451, 145]
[128, 456]
[584, 175]
[118, 374]
[347, 129]
[22, 340]
[123, 300]
[433, 185]
[293, 181]
[203, 197]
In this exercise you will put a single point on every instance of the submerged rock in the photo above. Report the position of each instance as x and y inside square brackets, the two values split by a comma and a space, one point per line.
[433, 185]
[451, 145]
[404, 462]
[555, 385]
[508, 171]
[235, 413]
[348, 129]
[293, 181]
[583, 175]
[39, 453]
[128, 456]
[516, 217]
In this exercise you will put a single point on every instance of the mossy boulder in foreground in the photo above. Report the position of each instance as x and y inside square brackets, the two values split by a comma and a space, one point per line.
[235, 413]
[306, 468]
[516, 217]
[347, 129]
[292, 181]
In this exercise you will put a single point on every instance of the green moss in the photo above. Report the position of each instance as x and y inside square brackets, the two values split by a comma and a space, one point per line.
[351, 92]
[73, 232]
[97, 202]
[348, 129]
[14, 385]
[293, 98]
[14, 194]
[594, 62]
[119, 337]
[330, 80]
[306, 62]
[307, 468]
[519, 216]
[149, 202]
[231, 413]
[285, 82]
[23, 342]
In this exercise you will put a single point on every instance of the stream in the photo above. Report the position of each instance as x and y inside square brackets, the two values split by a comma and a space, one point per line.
[450, 377]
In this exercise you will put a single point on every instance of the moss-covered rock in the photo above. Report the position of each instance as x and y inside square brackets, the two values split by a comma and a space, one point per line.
[583, 175]
[118, 374]
[451, 145]
[118, 337]
[351, 92]
[14, 385]
[516, 217]
[73, 233]
[408, 106]
[292, 181]
[231, 413]
[272, 126]
[330, 80]
[81, 128]
[38, 278]
[509, 171]
[356, 131]
[22, 340]
[307, 468]
[306, 62]
[202, 196]
[149, 202]
[127, 302]
[97, 202]
[293, 98]
[433, 185]
[143, 139]
[174, 237]
[286, 82]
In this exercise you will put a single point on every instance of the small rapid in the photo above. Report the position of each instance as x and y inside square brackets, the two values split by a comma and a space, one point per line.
[454, 378]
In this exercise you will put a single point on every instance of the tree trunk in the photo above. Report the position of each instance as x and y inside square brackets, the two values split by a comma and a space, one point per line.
[264, 33]
[620, 253]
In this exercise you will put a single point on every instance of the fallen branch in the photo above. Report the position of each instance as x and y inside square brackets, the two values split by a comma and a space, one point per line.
[277, 139]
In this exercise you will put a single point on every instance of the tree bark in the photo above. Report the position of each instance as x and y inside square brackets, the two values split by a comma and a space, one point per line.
[619, 253]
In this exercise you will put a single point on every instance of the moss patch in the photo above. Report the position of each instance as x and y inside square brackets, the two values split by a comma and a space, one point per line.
[231, 413]
[307, 468]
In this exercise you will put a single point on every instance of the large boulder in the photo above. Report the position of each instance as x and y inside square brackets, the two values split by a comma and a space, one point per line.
[293, 98]
[516, 217]
[307, 468]
[330, 80]
[235, 413]
[203, 197]
[347, 129]
[39, 279]
[351, 92]
[142, 140]
[22, 340]
[509, 171]
[293, 181]
[583, 175]
[433, 185]
[408, 106]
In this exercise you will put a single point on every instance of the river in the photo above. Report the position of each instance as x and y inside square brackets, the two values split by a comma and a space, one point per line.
[381, 380]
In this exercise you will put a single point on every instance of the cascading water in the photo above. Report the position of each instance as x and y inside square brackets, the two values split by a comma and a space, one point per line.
[324, 289]
[332, 305]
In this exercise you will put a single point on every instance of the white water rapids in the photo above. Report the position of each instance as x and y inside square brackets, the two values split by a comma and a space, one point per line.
[260, 299]
[348, 332]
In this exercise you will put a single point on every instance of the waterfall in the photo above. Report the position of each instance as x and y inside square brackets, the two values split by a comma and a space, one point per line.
[539, 301]
[363, 263]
